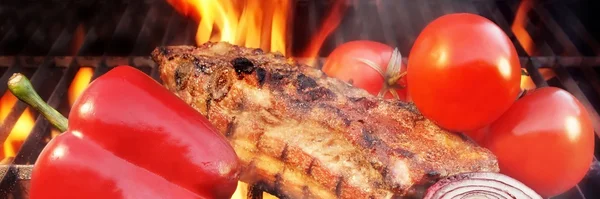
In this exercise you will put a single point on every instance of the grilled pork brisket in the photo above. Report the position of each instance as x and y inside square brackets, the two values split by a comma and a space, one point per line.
[310, 136]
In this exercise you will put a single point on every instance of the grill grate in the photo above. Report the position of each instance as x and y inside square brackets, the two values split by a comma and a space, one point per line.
[50, 42]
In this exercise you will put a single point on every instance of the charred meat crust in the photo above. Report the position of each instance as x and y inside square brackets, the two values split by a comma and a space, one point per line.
[312, 136]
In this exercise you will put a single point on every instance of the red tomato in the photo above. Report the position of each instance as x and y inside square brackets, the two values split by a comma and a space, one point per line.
[463, 72]
[345, 63]
[478, 135]
[545, 140]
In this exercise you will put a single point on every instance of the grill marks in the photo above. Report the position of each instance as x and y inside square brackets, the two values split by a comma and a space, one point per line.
[310, 96]
[278, 182]
[181, 77]
[384, 154]
[284, 152]
[201, 66]
[309, 90]
[305, 82]
[261, 75]
[242, 66]
[368, 138]
[310, 167]
[306, 192]
[319, 93]
[338, 187]
[403, 153]
[363, 102]
[231, 126]
[340, 115]
[296, 93]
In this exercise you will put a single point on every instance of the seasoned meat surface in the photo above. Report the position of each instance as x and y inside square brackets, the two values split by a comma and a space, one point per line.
[306, 135]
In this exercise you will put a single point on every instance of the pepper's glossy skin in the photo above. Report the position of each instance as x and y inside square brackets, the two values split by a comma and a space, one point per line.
[75, 167]
[137, 129]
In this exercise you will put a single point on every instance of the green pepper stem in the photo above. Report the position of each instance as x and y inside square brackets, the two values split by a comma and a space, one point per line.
[20, 86]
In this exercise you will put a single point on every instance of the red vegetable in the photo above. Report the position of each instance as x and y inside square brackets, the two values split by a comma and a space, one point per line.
[480, 185]
[368, 65]
[463, 72]
[129, 137]
[545, 140]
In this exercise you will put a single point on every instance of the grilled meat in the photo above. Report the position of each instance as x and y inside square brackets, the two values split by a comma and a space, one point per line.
[310, 136]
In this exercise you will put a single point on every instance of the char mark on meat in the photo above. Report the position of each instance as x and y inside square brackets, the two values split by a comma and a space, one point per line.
[311, 136]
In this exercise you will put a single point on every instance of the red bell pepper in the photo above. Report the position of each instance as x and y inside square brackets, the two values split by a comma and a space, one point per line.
[129, 137]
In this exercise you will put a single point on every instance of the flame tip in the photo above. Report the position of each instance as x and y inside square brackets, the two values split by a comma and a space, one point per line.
[248, 23]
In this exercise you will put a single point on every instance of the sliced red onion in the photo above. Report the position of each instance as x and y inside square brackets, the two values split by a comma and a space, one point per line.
[484, 185]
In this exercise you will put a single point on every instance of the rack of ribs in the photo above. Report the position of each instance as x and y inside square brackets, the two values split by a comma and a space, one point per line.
[307, 135]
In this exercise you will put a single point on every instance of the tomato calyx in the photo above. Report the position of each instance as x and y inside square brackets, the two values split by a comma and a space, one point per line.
[390, 76]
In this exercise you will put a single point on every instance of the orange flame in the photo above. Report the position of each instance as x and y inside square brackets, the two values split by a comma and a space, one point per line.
[248, 23]
[26, 121]
[329, 25]
[254, 24]
[242, 192]
[21, 129]
[528, 84]
[80, 83]
[518, 26]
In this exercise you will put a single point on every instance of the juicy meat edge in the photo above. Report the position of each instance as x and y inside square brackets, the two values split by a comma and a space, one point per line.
[310, 135]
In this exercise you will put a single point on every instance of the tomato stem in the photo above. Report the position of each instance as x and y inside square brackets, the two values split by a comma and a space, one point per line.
[371, 64]
[392, 74]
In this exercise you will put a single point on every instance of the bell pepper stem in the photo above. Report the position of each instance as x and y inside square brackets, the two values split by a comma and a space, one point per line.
[20, 86]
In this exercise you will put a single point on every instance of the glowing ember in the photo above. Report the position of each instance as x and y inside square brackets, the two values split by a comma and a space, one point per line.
[7, 101]
[242, 191]
[255, 24]
[80, 83]
[18, 134]
[21, 129]
[267, 196]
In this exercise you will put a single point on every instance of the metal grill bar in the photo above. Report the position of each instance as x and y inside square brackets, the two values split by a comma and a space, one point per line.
[576, 28]
[128, 28]
[12, 69]
[153, 31]
[7, 182]
[34, 142]
[36, 80]
[557, 31]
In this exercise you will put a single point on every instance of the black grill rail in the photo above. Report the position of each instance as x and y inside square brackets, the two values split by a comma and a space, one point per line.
[50, 41]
